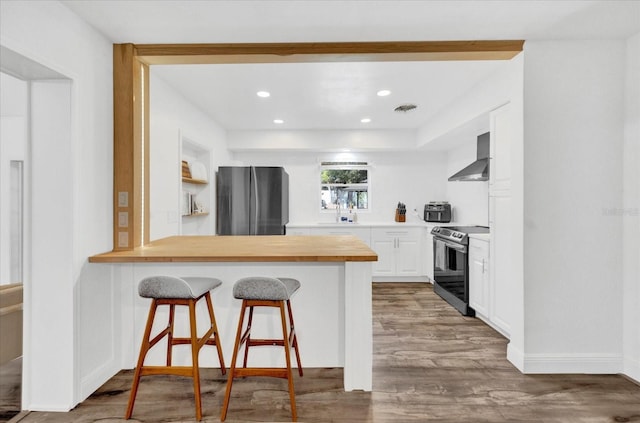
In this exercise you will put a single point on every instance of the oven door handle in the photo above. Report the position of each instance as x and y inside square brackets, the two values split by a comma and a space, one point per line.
[457, 247]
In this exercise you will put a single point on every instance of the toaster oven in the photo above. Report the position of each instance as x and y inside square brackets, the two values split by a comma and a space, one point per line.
[437, 212]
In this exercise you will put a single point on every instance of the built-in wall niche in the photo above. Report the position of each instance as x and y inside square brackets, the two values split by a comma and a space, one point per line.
[196, 197]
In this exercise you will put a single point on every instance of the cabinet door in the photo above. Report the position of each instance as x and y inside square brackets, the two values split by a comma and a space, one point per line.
[408, 255]
[385, 249]
[502, 301]
[479, 277]
[398, 250]
[427, 254]
[502, 134]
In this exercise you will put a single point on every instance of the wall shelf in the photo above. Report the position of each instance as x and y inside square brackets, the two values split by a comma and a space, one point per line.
[196, 195]
[196, 214]
[194, 181]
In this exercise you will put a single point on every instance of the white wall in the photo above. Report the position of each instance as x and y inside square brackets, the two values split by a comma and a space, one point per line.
[412, 178]
[573, 157]
[469, 200]
[172, 116]
[13, 127]
[631, 212]
[67, 301]
[480, 100]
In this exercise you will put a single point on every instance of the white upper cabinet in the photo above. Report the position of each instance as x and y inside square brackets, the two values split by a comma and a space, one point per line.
[501, 123]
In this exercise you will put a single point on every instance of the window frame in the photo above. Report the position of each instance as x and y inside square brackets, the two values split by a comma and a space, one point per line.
[351, 165]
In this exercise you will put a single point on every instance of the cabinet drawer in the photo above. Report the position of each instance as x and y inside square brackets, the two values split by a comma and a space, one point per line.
[395, 232]
[363, 233]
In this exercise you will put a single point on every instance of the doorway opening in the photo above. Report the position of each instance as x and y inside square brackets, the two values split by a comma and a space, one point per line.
[23, 84]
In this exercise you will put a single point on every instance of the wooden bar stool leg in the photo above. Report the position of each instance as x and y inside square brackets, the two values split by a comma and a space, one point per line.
[144, 348]
[195, 352]
[172, 311]
[216, 335]
[285, 343]
[227, 395]
[294, 340]
[247, 342]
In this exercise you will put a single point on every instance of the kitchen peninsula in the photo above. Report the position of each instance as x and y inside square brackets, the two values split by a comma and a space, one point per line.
[332, 307]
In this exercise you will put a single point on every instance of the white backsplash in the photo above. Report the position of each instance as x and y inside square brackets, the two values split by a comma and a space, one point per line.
[469, 200]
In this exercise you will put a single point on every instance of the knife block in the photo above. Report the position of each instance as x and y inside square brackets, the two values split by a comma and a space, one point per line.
[400, 217]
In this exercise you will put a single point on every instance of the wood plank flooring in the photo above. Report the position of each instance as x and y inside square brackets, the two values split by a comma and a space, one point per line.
[430, 364]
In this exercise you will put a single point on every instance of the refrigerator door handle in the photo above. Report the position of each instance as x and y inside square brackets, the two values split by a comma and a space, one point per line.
[254, 184]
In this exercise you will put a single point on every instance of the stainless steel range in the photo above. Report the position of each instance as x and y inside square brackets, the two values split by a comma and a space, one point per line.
[451, 264]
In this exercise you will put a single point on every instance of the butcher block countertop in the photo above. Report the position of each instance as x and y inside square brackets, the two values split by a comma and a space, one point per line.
[264, 248]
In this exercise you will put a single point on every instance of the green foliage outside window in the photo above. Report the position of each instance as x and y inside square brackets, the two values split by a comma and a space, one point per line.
[346, 188]
[344, 176]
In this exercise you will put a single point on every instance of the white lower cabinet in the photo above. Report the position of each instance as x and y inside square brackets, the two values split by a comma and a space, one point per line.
[487, 296]
[361, 232]
[297, 231]
[405, 253]
[427, 254]
[502, 297]
[479, 277]
[399, 251]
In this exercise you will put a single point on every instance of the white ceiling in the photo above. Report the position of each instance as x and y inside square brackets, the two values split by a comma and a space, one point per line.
[324, 95]
[338, 95]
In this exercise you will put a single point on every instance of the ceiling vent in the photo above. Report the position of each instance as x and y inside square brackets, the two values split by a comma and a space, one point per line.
[405, 108]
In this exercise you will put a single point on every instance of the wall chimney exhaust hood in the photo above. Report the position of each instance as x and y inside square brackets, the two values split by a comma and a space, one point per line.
[478, 170]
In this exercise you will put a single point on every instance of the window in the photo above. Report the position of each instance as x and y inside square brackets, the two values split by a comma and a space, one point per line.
[345, 185]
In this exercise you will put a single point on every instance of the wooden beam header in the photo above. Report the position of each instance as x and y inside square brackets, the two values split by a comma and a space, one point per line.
[158, 54]
[131, 98]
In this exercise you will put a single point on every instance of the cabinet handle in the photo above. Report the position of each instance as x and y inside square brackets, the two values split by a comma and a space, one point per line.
[483, 265]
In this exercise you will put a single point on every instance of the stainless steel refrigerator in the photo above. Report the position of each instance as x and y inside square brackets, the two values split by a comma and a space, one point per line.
[252, 200]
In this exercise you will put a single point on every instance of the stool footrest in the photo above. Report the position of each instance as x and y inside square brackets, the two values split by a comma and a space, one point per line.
[265, 342]
[260, 371]
[204, 340]
[164, 370]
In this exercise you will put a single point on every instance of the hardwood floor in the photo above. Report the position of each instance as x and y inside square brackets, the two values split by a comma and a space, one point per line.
[430, 364]
[10, 389]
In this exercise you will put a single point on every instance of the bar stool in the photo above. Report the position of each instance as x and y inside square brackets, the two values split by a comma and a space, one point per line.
[264, 292]
[173, 291]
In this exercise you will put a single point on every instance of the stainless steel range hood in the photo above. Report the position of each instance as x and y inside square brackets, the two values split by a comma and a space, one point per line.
[478, 170]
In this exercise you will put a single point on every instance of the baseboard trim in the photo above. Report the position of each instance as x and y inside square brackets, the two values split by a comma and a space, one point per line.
[572, 363]
[419, 279]
[515, 357]
[632, 369]
[96, 379]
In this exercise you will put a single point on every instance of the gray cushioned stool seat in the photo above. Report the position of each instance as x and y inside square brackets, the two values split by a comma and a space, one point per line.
[264, 288]
[173, 287]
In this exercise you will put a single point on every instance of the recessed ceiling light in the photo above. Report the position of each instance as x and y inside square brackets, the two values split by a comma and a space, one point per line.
[383, 93]
[263, 94]
[278, 121]
[365, 120]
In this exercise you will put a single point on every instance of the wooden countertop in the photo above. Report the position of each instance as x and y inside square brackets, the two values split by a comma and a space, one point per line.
[269, 248]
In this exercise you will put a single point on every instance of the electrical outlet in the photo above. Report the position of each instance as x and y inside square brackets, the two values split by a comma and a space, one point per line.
[123, 199]
[123, 219]
[123, 239]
